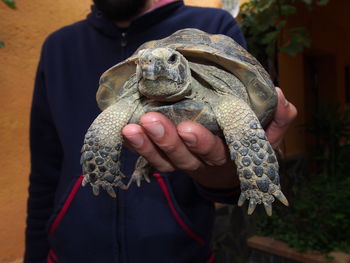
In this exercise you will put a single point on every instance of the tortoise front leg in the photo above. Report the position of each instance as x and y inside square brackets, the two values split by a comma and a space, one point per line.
[254, 157]
[102, 146]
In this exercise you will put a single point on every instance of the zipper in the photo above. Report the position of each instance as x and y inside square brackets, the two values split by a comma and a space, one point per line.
[124, 41]
[124, 44]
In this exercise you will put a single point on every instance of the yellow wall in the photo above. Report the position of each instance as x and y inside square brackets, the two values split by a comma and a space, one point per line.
[23, 31]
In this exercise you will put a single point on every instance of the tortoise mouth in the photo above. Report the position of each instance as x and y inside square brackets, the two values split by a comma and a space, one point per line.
[158, 79]
[164, 89]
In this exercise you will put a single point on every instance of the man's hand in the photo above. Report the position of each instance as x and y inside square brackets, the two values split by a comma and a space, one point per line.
[284, 116]
[194, 149]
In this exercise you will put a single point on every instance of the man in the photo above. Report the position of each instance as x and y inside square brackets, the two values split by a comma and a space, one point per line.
[167, 220]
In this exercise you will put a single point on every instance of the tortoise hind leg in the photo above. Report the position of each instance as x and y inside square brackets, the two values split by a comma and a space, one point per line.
[141, 172]
[254, 157]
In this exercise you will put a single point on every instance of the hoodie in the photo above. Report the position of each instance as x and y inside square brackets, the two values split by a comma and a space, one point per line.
[168, 220]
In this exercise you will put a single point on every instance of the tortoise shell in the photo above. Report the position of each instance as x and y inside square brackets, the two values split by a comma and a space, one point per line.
[203, 48]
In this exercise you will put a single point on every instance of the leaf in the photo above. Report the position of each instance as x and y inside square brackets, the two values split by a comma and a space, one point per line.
[270, 48]
[270, 37]
[288, 10]
[262, 5]
[2, 44]
[281, 24]
[299, 39]
[307, 2]
[322, 2]
[10, 3]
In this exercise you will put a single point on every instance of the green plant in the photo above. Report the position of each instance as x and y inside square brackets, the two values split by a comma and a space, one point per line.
[318, 218]
[264, 21]
[11, 4]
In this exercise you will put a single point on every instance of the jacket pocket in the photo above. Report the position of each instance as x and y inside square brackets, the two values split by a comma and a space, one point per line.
[51, 257]
[157, 218]
[181, 218]
[81, 229]
[58, 216]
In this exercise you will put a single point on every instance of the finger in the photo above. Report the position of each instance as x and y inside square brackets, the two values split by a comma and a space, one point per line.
[163, 133]
[137, 141]
[219, 172]
[283, 117]
[210, 148]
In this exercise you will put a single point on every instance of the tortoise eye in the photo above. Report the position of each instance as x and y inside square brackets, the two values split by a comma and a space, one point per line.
[172, 59]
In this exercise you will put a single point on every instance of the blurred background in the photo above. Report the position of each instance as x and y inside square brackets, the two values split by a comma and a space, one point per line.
[305, 46]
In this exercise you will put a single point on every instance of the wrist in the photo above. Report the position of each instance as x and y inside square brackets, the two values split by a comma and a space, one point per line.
[218, 178]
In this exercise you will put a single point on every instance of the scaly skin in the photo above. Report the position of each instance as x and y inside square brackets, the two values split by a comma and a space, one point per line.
[254, 157]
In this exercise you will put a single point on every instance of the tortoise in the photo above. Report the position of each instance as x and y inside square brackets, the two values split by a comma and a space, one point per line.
[189, 75]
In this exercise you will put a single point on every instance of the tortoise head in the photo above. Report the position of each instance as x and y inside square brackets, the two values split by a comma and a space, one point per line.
[163, 73]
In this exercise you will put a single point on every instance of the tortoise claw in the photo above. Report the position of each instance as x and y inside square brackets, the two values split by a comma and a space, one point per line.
[280, 196]
[268, 208]
[111, 191]
[96, 190]
[241, 200]
[251, 207]
[147, 179]
[85, 180]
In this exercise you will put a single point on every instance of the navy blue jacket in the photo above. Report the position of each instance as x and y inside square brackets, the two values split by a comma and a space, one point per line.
[168, 220]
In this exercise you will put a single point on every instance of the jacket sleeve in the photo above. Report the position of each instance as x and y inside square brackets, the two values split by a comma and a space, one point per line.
[46, 157]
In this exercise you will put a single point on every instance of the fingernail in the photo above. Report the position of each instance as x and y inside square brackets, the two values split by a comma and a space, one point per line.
[155, 129]
[188, 138]
[135, 140]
